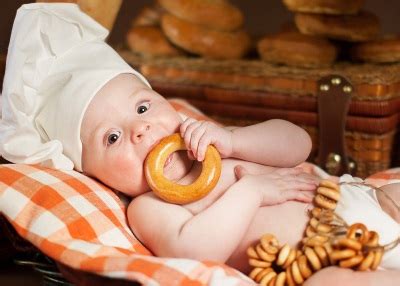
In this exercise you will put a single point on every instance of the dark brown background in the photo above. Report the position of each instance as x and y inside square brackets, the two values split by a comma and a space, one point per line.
[262, 16]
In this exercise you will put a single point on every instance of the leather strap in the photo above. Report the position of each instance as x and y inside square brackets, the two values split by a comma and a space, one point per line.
[334, 95]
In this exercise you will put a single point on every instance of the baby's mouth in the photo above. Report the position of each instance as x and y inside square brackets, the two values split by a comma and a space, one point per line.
[168, 166]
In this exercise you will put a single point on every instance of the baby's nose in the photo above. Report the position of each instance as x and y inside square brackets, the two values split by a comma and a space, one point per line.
[139, 131]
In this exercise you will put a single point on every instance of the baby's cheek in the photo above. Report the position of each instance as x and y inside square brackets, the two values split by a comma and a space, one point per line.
[172, 125]
[171, 119]
[126, 173]
[127, 166]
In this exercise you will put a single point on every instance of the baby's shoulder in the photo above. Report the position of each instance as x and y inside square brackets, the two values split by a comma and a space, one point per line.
[145, 201]
[151, 219]
[148, 204]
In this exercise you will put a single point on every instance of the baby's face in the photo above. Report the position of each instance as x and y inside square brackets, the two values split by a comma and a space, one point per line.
[122, 123]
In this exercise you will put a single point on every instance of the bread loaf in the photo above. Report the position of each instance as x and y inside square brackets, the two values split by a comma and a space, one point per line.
[203, 41]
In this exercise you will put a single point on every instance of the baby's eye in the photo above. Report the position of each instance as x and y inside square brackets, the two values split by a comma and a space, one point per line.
[143, 107]
[113, 137]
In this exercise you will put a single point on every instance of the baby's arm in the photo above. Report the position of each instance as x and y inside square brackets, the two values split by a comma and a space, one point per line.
[274, 142]
[213, 234]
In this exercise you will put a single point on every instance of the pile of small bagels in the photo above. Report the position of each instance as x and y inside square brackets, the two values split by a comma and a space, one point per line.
[323, 30]
[210, 29]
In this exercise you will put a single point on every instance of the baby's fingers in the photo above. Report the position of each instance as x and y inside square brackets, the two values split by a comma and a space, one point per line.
[305, 197]
[188, 136]
[187, 128]
[306, 180]
[289, 171]
[202, 146]
[185, 125]
[310, 178]
[297, 195]
[199, 142]
[300, 184]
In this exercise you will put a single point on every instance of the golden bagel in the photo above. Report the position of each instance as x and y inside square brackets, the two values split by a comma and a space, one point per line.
[171, 191]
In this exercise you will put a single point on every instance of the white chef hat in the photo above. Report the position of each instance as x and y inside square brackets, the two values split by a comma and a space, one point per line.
[57, 61]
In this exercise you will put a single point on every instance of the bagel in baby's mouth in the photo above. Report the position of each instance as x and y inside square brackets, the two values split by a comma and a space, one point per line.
[173, 192]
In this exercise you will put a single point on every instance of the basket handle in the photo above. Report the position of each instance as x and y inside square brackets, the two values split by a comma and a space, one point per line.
[334, 95]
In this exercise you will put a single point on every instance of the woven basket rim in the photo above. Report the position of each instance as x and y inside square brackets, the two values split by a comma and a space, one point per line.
[359, 74]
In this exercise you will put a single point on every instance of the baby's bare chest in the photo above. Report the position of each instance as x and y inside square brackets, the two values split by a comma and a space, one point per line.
[227, 179]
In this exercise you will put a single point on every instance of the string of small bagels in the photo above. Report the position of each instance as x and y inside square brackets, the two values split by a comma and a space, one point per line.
[328, 241]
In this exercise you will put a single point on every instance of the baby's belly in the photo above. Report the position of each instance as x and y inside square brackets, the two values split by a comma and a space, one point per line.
[286, 221]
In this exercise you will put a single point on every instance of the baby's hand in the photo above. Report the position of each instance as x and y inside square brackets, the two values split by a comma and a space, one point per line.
[280, 185]
[199, 134]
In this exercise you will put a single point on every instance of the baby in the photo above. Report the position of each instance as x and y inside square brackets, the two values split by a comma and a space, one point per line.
[126, 119]
[70, 101]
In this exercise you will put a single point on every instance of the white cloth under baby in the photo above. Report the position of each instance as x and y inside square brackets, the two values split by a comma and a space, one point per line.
[359, 204]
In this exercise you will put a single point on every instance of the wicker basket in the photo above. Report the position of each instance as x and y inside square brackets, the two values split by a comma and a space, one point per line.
[243, 92]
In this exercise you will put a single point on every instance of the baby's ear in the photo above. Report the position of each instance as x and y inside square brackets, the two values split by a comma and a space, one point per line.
[240, 171]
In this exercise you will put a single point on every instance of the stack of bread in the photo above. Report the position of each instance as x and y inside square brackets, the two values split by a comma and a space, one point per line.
[322, 27]
[146, 37]
[211, 29]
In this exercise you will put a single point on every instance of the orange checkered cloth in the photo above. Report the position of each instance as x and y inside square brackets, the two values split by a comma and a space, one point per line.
[81, 223]
[385, 177]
